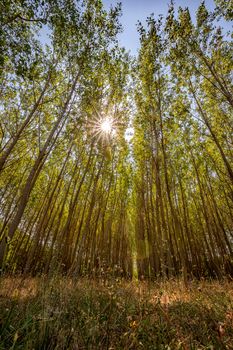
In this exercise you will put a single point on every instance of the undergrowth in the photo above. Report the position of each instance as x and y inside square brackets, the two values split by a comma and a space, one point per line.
[62, 313]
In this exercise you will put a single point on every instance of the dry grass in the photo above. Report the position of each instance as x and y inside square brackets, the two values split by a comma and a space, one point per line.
[63, 313]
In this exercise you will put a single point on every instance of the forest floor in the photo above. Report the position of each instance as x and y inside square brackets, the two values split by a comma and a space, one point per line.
[62, 313]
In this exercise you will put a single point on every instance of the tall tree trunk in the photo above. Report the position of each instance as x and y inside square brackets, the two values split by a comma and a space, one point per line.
[36, 169]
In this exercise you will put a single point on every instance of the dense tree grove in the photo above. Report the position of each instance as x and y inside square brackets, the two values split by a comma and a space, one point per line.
[77, 196]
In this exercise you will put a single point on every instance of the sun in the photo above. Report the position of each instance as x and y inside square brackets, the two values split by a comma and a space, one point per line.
[106, 125]
[103, 128]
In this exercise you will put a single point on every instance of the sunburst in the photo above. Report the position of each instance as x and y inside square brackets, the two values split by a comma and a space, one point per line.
[103, 128]
[106, 125]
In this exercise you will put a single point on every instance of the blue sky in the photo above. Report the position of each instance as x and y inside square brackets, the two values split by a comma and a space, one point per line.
[134, 10]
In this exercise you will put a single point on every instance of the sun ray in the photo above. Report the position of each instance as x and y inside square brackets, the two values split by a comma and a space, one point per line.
[103, 128]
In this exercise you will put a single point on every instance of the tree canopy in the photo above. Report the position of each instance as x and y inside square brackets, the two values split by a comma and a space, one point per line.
[77, 195]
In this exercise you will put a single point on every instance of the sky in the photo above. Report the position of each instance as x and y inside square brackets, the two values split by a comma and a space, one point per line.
[134, 10]
[139, 10]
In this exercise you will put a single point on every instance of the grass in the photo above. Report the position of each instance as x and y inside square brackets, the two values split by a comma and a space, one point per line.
[62, 313]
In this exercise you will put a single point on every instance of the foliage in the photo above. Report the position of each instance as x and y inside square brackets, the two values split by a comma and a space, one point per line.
[80, 200]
